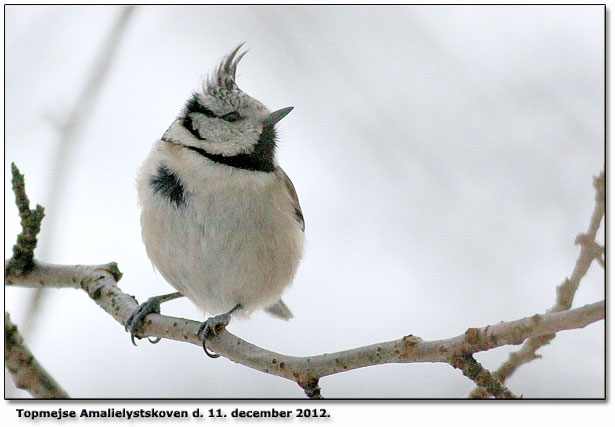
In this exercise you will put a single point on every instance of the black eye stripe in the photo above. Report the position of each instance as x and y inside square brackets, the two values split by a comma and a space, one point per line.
[193, 106]
[187, 123]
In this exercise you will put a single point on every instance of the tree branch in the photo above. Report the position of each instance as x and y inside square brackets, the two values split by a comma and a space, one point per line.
[100, 284]
[27, 373]
[590, 250]
[472, 369]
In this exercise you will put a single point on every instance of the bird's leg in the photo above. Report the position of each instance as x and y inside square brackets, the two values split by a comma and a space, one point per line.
[212, 327]
[135, 321]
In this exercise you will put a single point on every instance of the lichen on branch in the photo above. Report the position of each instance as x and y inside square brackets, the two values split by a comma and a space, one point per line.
[26, 371]
[22, 260]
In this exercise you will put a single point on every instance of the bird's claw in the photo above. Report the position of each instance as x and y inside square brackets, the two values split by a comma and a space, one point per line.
[211, 328]
[136, 320]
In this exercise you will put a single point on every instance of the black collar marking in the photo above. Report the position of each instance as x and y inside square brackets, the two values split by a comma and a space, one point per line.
[166, 183]
[261, 159]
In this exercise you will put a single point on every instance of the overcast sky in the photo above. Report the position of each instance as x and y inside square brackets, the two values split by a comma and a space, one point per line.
[443, 157]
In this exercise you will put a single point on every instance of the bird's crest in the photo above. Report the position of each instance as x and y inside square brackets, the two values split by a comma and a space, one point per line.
[222, 80]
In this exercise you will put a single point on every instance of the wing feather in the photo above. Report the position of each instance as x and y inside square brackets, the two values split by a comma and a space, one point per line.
[293, 195]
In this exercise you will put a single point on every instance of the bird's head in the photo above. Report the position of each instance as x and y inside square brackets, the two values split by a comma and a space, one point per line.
[225, 124]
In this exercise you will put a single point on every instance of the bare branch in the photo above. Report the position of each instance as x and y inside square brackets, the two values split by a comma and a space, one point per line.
[100, 284]
[27, 373]
[590, 250]
[567, 290]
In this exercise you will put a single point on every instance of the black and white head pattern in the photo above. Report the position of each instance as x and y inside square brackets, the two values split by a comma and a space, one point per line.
[226, 125]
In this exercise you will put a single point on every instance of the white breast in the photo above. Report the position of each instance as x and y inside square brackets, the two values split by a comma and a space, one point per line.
[234, 240]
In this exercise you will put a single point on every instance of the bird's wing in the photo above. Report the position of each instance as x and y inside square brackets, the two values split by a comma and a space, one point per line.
[293, 195]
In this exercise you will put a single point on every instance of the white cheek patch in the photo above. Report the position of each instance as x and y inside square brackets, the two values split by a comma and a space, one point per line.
[219, 137]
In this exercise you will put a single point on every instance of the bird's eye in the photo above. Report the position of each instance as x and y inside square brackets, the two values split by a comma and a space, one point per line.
[233, 116]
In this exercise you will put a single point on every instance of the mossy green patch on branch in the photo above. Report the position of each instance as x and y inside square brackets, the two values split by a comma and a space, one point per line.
[23, 251]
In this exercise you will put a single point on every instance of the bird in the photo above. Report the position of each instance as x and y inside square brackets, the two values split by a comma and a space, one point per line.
[220, 219]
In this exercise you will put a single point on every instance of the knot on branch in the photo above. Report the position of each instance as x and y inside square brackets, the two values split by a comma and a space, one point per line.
[405, 347]
[92, 278]
[23, 252]
[479, 338]
[592, 248]
[113, 269]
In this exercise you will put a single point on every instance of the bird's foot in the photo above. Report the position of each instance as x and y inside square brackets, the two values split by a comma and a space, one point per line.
[213, 326]
[136, 320]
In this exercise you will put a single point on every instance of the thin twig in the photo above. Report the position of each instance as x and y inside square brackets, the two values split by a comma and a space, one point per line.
[26, 371]
[590, 250]
[23, 251]
[66, 142]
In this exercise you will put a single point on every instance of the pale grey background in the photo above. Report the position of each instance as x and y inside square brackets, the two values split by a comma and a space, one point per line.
[443, 157]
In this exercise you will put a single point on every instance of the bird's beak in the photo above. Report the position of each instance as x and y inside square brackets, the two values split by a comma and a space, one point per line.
[276, 116]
